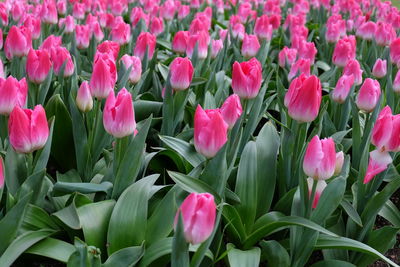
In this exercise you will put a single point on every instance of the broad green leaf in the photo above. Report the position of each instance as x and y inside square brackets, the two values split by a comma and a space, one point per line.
[184, 149]
[351, 211]
[52, 248]
[84, 255]
[22, 243]
[34, 184]
[125, 257]
[333, 263]
[42, 156]
[145, 108]
[180, 248]
[36, 218]
[62, 188]
[239, 258]
[128, 221]
[198, 81]
[391, 213]
[15, 170]
[234, 223]
[275, 253]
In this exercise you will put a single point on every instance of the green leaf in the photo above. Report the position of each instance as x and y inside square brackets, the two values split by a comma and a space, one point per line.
[198, 81]
[34, 184]
[326, 242]
[52, 248]
[36, 218]
[239, 258]
[351, 211]
[62, 188]
[145, 108]
[94, 220]
[332, 263]
[275, 253]
[15, 170]
[11, 222]
[84, 255]
[131, 161]
[125, 257]
[246, 185]
[180, 248]
[69, 215]
[128, 221]
[391, 213]
[42, 156]
[184, 149]
[22, 243]
[44, 88]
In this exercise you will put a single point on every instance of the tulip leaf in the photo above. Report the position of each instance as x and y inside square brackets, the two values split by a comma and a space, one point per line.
[333, 263]
[351, 211]
[275, 253]
[198, 81]
[44, 88]
[239, 258]
[52, 248]
[180, 247]
[22, 243]
[15, 170]
[35, 184]
[132, 160]
[62, 188]
[145, 108]
[128, 220]
[125, 257]
[36, 218]
[234, 223]
[391, 213]
[184, 149]
[42, 156]
[84, 255]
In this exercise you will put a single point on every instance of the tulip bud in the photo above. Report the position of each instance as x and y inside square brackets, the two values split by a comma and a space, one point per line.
[396, 83]
[210, 131]
[28, 129]
[250, 46]
[246, 78]
[107, 47]
[339, 162]
[84, 99]
[34, 26]
[301, 66]
[382, 128]
[368, 95]
[202, 39]
[12, 93]
[262, 28]
[342, 88]
[321, 184]
[384, 34]
[320, 158]
[231, 110]
[83, 35]
[121, 33]
[345, 50]
[48, 12]
[119, 115]
[136, 71]
[380, 68]
[51, 42]
[216, 46]
[395, 51]
[181, 71]
[18, 42]
[238, 31]
[78, 10]
[38, 65]
[287, 56]
[367, 30]
[58, 56]
[145, 41]
[303, 98]
[157, 26]
[394, 141]
[183, 12]
[198, 217]
[104, 76]
[179, 42]
[353, 68]
[308, 51]
[378, 162]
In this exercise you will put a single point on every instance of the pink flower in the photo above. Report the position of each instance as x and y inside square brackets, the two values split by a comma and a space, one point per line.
[136, 15]
[198, 217]
[121, 33]
[345, 50]
[202, 39]
[84, 99]
[246, 78]
[262, 28]
[231, 110]
[156, 26]
[51, 42]
[342, 88]
[58, 56]
[301, 66]
[238, 31]
[38, 65]
[308, 51]
[394, 141]
[367, 30]
[118, 115]
[12, 93]
[380, 68]
[145, 41]
[210, 131]
[321, 184]
[48, 12]
[287, 55]
[179, 42]
[339, 162]
[368, 95]
[353, 68]
[108, 47]
[78, 10]
[34, 26]
[104, 76]
[183, 12]
[395, 51]
[167, 10]
[28, 129]
[216, 46]
[68, 24]
[136, 64]
[181, 71]
[378, 163]
[18, 42]
[250, 46]
[396, 83]
[303, 98]
[382, 130]
[83, 35]
[320, 158]
[384, 34]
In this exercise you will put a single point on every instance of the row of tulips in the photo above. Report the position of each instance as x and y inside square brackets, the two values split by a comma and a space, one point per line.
[203, 132]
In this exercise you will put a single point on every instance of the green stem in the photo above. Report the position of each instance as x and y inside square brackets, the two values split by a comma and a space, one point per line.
[310, 200]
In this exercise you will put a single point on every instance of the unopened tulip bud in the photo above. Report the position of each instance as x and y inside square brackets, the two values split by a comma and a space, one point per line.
[339, 162]
[84, 99]
[380, 68]
[231, 110]
[181, 71]
[368, 95]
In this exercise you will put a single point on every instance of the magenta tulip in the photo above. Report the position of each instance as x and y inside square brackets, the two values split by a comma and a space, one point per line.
[246, 78]
[181, 71]
[104, 76]
[84, 99]
[231, 110]
[136, 64]
[368, 95]
[12, 93]
[38, 65]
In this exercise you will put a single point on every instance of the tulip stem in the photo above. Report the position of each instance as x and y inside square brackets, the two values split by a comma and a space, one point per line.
[311, 198]
[97, 104]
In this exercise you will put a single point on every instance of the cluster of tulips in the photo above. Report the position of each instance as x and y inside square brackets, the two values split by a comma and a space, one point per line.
[201, 132]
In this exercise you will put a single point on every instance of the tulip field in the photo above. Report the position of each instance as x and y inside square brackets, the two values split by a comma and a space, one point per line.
[199, 133]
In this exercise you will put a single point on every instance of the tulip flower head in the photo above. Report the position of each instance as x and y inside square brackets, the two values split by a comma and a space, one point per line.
[246, 78]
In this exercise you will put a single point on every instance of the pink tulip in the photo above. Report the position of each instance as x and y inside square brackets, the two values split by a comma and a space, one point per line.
[287, 56]
[262, 28]
[62, 7]
[378, 163]
[303, 98]
[231, 110]
[396, 83]
[384, 34]
[301, 66]
[216, 47]
[308, 51]
[198, 25]
[104, 76]
[121, 33]
[48, 12]
[353, 68]
[382, 130]
[156, 26]
[367, 30]
[68, 24]
[38, 65]
[320, 158]
[167, 10]
[238, 31]
[51, 42]
[179, 42]
[78, 10]
[2, 75]
[83, 35]
[345, 50]
[321, 184]
[210, 131]
[342, 88]
[246, 78]
[12, 93]
[108, 47]
[183, 12]
[119, 116]
[380, 68]
[34, 26]
[136, 15]
[28, 129]
[18, 42]
[84, 99]
[335, 30]
[339, 162]
[145, 41]
[181, 71]
[368, 95]
[394, 141]
[395, 51]
[202, 39]
[58, 56]
[136, 64]
[198, 216]
[250, 46]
